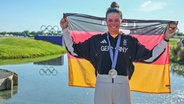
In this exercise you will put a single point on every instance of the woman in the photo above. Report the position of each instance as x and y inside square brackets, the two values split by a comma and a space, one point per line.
[113, 64]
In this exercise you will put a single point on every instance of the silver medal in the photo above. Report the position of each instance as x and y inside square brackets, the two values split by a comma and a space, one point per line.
[113, 73]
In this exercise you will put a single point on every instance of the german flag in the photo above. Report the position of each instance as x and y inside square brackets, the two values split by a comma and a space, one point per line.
[149, 78]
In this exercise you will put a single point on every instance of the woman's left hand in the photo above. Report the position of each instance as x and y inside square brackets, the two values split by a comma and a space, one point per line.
[171, 30]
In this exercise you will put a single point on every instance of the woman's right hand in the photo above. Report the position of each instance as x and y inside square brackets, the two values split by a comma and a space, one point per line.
[64, 23]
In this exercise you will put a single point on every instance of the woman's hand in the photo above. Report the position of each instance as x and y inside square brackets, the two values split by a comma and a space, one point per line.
[171, 30]
[64, 23]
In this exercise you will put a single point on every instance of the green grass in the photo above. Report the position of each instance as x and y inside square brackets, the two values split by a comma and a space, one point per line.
[27, 60]
[16, 47]
[173, 42]
[174, 50]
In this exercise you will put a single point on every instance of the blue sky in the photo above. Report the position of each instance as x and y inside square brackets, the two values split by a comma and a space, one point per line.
[20, 15]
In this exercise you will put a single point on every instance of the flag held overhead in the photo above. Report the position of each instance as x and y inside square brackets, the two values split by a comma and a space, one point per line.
[147, 77]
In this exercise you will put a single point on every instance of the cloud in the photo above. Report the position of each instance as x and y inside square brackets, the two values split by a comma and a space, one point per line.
[152, 6]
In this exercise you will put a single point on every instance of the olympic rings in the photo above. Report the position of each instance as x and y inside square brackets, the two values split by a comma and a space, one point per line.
[49, 29]
[48, 71]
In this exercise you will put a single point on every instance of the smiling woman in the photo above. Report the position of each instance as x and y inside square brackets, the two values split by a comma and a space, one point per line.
[14, 47]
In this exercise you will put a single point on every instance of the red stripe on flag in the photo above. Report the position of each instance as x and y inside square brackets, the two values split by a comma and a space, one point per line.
[149, 41]
[80, 36]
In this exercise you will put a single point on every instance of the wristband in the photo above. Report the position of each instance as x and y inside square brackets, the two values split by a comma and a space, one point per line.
[166, 40]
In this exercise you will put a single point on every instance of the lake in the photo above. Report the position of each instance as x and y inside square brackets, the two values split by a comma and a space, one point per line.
[46, 82]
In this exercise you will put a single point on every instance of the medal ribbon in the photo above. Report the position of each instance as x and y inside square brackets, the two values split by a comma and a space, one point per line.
[115, 55]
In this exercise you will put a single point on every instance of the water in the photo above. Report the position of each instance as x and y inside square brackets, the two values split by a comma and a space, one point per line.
[38, 85]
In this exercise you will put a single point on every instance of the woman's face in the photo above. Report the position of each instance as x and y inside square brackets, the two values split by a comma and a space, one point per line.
[113, 23]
